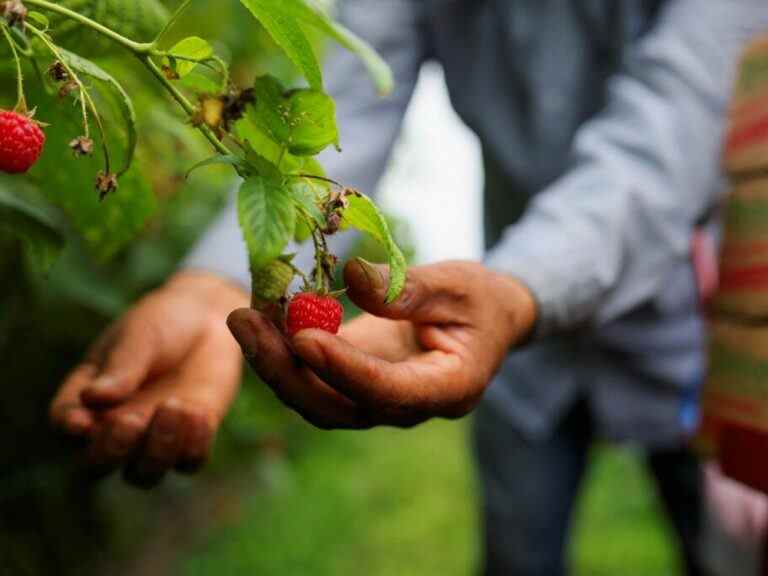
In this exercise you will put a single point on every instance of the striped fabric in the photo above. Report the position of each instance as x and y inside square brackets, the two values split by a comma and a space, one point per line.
[736, 391]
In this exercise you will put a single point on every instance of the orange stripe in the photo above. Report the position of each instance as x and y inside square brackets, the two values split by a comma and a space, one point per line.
[750, 134]
[747, 278]
[744, 249]
[751, 106]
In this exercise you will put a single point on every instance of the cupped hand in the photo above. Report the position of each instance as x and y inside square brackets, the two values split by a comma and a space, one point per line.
[153, 390]
[432, 353]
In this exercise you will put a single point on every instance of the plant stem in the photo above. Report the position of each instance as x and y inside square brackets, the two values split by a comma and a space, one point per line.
[188, 107]
[143, 52]
[21, 102]
[174, 18]
[137, 47]
[86, 101]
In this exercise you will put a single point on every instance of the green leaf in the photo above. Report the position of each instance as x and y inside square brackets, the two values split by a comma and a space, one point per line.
[270, 110]
[363, 215]
[228, 159]
[307, 194]
[302, 121]
[308, 12]
[40, 19]
[200, 83]
[188, 53]
[31, 221]
[267, 218]
[68, 183]
[312, 120]
[288, 34]
[80, 64]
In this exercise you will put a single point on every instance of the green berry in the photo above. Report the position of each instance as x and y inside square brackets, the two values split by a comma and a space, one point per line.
[270, 283]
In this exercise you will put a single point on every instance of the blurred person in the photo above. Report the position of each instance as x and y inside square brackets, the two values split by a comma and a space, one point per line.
[601, 123]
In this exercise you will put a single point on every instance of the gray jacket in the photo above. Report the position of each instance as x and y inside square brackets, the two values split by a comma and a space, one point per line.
[601, 123]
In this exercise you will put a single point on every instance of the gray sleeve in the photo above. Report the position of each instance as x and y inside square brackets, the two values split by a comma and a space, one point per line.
[604, 238]
[368, 124]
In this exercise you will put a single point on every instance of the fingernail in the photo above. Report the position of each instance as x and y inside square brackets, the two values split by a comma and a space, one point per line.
[104, 384]
[246, 336]
[372, 274]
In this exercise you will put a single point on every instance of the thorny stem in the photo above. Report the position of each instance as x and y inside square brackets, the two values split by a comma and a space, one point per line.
[142, 51]
[136, 47]
[182, 100]
[21, 102]
[86, 101]
[319, 273]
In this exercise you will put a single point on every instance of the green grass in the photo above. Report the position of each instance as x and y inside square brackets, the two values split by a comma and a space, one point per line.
[403, 503]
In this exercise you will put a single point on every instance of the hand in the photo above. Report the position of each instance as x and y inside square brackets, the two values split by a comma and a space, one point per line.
[153, 390]
[430, 354]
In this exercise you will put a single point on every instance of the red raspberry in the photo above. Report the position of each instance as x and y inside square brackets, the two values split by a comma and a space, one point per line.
[310, 310]
[21, 142]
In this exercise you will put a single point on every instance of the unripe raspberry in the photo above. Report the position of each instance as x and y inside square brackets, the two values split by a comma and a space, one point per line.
[270, 283]
[310, 310]
[21, 142]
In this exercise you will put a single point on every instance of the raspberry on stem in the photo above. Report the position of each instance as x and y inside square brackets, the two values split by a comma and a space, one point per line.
[21, 142]
[312, 310]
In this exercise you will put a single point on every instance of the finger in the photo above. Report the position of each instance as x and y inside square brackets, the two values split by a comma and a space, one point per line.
[432, 383]
[119, 434]
[431, 294]
[67, 412]
[269, 355]
[151, 339]
[182, 410]
[162, 446]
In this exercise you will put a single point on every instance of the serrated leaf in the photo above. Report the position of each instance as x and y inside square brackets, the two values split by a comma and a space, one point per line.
[217, 160]
[308, 12]
[188, 53]
[248, 130]
[312, 122]
[267, 218]
[270, 110]
[287, 33]
[32, 222]
[80, 64]
[40, 19]
[301, 121]
[307, 195]
[200, 83]
[303, 232]
[362, 214]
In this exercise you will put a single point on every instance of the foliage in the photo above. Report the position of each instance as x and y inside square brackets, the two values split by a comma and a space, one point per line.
[269, 134]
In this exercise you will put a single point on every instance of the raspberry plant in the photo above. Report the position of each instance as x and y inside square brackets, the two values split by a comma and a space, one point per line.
[268, 133]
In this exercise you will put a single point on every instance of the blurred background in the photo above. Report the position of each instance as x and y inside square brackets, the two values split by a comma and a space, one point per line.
[279, 498]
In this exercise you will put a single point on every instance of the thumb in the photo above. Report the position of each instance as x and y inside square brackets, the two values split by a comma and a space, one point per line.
[431, 295]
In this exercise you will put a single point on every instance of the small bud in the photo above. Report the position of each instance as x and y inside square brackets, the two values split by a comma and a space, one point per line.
[333, 223]
[105, 184]
[210, 113]
[170, 73]
[58, 72]
[82, 146]
[14, 12]
[68, 88]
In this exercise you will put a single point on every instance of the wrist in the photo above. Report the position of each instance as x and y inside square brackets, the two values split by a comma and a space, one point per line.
[517, 306]
[219, 293]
